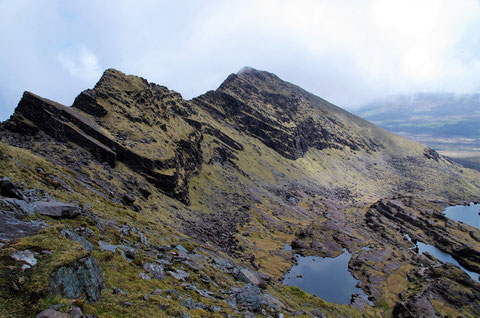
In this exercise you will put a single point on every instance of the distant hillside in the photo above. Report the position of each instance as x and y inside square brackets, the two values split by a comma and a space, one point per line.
[442, 121]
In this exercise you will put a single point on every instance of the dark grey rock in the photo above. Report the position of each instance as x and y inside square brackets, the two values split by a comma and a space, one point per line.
[204, 278]
[88, 232]
[272, 302]
[418, 306]
[9, 190]
[298, 244]
[56, 209]
[104, 246]
[250, 277]
[178, 274]
[77, 238]
[249, 297]
[182, 249]
[248, 314]
[157, 292]
[84, 277]
[166, 263]
[318, 313]
[162, 248]
[128, 199]
[145, 276]
[144, 240]
[16, 208]
[76, 312]
[128, 252]
[118, 291]
[125, 303]
[358, 302]
[145, 191]
[189, 303]
[154, 269]
[12, 228]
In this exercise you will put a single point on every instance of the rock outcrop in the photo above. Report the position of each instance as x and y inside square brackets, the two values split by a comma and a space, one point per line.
[136, 189]
[80, 279]
[285, 117]
[66, 124]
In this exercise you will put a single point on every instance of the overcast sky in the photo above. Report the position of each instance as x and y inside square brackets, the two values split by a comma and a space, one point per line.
[347, 52]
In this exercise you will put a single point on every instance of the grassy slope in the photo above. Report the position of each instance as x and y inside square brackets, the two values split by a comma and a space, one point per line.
[264, 180]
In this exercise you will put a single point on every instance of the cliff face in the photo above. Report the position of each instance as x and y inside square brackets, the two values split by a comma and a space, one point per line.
[240, 170]
[158, 134]
[283, 116]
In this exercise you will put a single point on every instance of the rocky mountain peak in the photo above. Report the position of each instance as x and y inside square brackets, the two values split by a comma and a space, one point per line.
[114, 78]
[284, 116]
[144, 204]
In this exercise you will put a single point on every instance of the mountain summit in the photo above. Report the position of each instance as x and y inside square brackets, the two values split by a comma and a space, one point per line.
[137, 202]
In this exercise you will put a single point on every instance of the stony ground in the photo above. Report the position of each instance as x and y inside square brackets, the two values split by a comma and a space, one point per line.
[136, 203]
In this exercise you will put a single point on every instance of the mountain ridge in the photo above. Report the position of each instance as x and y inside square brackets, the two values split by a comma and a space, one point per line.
[230, 176]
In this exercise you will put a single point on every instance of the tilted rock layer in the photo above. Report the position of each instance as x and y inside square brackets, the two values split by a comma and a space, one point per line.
[150, 183]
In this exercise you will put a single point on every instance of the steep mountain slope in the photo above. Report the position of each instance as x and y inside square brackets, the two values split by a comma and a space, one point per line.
[133, 182]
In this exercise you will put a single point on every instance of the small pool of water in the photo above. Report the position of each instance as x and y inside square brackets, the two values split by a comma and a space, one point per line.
[465, 214]
[327, 278]
[444, 257]
[287, 247]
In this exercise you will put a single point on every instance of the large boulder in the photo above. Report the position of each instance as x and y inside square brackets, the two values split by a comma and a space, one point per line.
[9, 190]
[56, 209]
[12, 213]
[82, 278]
[248, 297]
[248, 276]
[12, 228]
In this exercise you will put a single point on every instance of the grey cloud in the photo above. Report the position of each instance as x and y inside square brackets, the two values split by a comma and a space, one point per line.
[347, 52]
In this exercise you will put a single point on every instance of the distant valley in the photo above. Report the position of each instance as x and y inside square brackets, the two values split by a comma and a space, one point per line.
[448, 123]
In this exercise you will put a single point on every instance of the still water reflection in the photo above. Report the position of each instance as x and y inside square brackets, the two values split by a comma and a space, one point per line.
[444, 257]
[466, 214]
[327, 278]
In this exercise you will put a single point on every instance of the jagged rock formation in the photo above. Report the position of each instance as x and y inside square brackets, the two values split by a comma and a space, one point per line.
[283, 116]
[179, 203]
[158, 134]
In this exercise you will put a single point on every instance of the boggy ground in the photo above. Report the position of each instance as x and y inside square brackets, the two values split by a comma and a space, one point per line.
[182, 208]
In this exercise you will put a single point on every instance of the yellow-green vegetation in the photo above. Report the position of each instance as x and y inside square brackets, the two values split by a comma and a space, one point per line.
[297, 298]
[251, 190]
